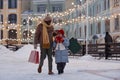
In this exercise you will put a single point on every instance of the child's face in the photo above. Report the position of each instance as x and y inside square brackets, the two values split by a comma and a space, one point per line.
[59, 34]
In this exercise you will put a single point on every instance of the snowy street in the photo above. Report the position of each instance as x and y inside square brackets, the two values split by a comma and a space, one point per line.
[15, 66]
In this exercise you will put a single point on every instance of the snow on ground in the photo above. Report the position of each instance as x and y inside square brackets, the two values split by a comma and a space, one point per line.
[87, 57]
[25, 51]
[4, 50]
[15, 66]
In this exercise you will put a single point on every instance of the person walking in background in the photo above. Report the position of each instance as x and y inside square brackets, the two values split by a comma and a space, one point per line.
[61, 54]
[44, 37]
[108, 40]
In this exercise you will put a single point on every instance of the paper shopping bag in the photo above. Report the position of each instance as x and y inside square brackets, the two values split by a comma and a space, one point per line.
[34, 57]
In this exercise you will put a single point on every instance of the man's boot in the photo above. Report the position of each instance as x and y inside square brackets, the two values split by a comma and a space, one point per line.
[50, 72]
[39, 69]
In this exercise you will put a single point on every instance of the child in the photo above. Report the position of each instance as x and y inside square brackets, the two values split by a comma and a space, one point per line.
[61, 53]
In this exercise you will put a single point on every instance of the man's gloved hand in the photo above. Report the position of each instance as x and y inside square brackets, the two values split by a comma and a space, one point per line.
[35, 46]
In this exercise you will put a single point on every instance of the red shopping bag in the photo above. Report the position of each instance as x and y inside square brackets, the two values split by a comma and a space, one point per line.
[34, 57]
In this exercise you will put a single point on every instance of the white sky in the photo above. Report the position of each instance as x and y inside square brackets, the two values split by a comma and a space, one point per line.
[15, 66]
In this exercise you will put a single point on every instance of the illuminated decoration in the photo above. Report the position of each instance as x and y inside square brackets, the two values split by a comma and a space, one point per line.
[12, 34]
[24, 22]
[63, 16]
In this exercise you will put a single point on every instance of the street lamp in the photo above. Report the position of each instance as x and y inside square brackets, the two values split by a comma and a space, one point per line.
[87, 28]
[48, 6]
[0, 26]
[28, 22]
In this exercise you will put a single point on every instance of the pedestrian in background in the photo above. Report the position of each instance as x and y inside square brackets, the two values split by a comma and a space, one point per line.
[108, 40]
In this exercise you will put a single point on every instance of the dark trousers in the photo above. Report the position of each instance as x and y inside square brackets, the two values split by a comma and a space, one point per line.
[107, 49]
[60, 67]
[44, 53]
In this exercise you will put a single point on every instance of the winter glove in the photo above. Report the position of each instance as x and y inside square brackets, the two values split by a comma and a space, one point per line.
[35, 46]
[59, 39]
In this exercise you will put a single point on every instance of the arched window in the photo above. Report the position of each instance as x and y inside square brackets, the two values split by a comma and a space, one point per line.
[1, 4]
[12, 18]
[24, 22]
[12, 3]
[25, 34]
[1, 34]
[117, 22]
[1, 18]
[12, 34]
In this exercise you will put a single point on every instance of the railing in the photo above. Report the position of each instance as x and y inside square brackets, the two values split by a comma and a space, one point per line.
[99, 50]
[13, 47]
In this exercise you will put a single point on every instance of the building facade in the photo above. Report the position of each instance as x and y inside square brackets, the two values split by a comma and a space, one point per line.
[19, 18]
[43, 6]
[98, 17]
[38, 10]
[10, 21]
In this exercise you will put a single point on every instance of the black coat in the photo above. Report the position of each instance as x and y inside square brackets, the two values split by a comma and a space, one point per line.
[108, 38]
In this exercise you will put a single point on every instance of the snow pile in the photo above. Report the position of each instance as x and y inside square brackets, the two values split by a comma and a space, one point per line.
[16, 67]
[87, 57]
[26, 49]
[4, 50]
[24, 52]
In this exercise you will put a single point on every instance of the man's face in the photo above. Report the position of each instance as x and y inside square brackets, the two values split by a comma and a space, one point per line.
[48, 22]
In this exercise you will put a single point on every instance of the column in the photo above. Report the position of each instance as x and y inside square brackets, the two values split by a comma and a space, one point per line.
[49, 6]
[112, 24]
[5, 20]
[102, 26]
[19, 22]
[102, 5]
[77, 30]
[95, 27]
[82, 31]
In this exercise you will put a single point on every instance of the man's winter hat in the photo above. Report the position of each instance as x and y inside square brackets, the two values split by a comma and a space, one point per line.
[61, 31]
[48, 18]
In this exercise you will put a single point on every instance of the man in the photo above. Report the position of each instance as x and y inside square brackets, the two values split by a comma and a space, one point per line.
[108, 39]
[44, 37]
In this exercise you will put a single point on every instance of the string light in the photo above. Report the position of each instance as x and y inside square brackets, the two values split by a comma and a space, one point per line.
[62, 15]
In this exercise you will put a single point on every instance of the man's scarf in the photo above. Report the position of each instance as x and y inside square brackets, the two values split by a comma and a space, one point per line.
[46, 42]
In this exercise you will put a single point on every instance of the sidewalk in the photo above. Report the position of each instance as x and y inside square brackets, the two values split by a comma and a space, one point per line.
[17, 67]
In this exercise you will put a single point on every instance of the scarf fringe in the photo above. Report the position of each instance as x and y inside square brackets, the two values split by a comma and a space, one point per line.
[46, 42]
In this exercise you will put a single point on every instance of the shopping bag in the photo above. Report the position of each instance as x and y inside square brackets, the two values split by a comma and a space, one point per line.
[34, 57]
